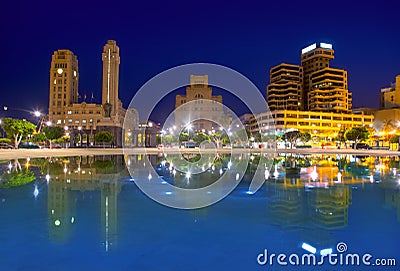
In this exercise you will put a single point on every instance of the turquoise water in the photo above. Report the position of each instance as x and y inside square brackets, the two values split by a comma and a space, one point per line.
[90, 215]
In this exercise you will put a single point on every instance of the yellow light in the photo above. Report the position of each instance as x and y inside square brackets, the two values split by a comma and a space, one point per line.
[57, 222]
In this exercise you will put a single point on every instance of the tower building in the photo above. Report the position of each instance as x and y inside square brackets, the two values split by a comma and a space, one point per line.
[206, 107]
[80, 118]
[63, 83]
[111, 61]
[325, 89]
[312, 86]
[285, 89]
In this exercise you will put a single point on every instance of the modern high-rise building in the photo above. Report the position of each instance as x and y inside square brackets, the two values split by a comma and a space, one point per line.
[312, 86]
[63, 83]
[329, 91]
[285, 89]
[325, 89]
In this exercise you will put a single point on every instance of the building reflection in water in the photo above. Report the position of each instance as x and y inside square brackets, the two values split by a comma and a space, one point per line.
[70, 179]
[315, 198]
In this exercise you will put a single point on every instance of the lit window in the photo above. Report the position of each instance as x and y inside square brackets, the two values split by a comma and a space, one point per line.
[58, 121]
[69, 112]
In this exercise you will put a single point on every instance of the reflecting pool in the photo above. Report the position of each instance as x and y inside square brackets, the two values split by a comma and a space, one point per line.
[87, 213]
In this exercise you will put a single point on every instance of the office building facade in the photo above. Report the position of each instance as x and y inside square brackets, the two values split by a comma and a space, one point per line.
[311, 86]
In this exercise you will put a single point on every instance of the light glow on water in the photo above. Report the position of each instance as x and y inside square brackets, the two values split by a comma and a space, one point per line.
[314, 174]
[36, 191]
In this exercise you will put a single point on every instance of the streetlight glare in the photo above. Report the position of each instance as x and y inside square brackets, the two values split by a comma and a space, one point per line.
[37, 113]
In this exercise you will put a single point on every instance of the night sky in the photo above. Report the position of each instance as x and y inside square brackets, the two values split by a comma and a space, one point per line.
[247, 36]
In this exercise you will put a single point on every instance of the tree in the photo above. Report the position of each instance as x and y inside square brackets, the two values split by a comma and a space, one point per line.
[292, 137]
[219, 137]
[104, 137]
[53, 132]
[38, 138]
[394, 139]
[183, 136]
[357, 134]
[240, 135]
[387, 129]
[341, 135]
[305, 137]
[168, 139]
[17, 129]
[200, 137]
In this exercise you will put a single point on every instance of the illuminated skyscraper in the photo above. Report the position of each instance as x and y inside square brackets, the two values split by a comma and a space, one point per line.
[324, 89]
[285, 90]
[312, 86]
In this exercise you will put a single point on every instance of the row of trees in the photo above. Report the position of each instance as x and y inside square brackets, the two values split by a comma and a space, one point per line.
[357, 135]
[18, 130]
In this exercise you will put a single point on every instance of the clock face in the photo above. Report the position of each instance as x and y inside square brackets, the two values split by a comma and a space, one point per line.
[60, 71]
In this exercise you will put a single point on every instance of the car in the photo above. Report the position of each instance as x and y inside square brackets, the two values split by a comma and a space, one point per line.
[56, 146]
[6, 146]
[361, 146]
[28, 145]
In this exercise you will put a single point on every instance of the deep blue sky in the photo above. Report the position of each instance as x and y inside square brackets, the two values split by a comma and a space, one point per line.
[247, 36]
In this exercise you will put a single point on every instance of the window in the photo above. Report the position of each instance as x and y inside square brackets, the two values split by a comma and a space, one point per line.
[69, 112]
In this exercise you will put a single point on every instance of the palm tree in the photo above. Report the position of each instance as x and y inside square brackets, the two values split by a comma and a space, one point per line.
[387, 129]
